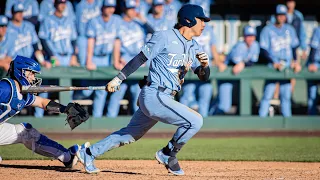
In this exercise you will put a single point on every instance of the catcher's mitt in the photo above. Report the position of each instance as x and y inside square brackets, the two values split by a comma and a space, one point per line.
[76, 115]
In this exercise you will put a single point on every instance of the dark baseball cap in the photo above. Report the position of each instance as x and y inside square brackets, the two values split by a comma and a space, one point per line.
[109, 3]
[18, 7]
[3, 20]
[281, 9]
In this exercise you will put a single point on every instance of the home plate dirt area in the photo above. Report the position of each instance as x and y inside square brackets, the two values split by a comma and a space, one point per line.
[150, 169]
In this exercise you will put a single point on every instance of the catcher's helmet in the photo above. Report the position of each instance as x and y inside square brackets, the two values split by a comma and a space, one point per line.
[18, 67]
[190, 12]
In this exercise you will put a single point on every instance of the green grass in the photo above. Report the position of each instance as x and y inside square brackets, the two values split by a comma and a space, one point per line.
[224, 149]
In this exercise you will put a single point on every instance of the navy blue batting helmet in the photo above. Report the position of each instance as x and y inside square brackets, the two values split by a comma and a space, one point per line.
[190, 12]
[18, 67]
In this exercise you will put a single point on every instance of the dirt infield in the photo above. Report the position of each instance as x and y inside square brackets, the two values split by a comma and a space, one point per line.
[141, 170]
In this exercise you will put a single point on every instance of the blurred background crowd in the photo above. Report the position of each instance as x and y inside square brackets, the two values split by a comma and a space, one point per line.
[109, 33]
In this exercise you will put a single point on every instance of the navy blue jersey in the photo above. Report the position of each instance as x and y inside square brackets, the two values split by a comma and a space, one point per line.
[11, 101]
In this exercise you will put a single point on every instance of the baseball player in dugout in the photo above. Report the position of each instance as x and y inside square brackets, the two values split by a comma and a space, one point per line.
[26, 43]
[278, 43]
[172, 53]
[30, 11]
[58, 37]
[6, 44]
[23, 72]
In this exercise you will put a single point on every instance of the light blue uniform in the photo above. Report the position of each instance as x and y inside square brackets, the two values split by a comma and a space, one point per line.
[313, 95]
[31, 8]
[105, 34]
[168, 51]
[58, 34]
[132, 36]
[279, 43]
[143, 8]
[7, 44]
[203, 89]
[171, 10]
[205, 4]
[296, 20]
[84, 12]
[26, 37]
[239, 53]
[47, 8]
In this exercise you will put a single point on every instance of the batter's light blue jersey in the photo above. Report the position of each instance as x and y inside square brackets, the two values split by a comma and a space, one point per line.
[31, 8]
[7, 45]
[205, 4]
[26, 37]
[58, 33]
[104, 33]
[279, 42]
[207, 40]
[132, 36]
[315, 43]
[169, 51]
[47, 8]
[171, 10]
[242, 53]
[86, 11]
[159, 24]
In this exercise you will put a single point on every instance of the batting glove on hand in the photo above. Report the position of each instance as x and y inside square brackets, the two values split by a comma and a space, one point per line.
[114, 85]
[203, 58]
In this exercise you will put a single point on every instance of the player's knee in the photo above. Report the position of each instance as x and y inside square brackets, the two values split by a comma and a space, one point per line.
[197, 123]
[27, 133]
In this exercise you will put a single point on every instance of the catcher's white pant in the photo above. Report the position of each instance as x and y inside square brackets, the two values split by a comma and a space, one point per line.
[24, 133]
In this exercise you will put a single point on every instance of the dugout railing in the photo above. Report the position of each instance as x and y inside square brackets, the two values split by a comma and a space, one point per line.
[245, 120]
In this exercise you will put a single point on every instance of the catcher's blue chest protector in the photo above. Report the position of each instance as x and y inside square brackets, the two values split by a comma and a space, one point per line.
[15, 103]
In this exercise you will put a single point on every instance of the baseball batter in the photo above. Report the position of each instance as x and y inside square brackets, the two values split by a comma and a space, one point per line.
[23, 72]
[171, 53]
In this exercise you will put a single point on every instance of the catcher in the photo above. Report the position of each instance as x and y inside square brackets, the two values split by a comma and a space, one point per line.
[22, 72]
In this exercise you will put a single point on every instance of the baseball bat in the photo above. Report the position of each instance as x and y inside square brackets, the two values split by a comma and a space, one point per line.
[41, 89]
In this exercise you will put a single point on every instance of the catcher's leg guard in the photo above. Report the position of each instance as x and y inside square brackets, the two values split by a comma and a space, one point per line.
[41, 144]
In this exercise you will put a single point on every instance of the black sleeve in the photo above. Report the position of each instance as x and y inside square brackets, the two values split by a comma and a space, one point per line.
[203, 73]
[55, 107]
[148, 28]
[249, 63]
[132, 66]
[46, 47]
[266, 55]
[312, 55]
[294, 53]
[74, 45]
[33, 20]
[35, 47]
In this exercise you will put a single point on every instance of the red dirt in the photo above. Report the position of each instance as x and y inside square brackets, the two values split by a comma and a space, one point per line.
[141, 170]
